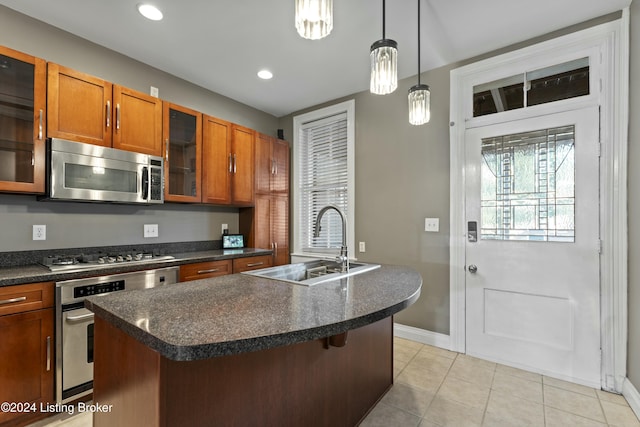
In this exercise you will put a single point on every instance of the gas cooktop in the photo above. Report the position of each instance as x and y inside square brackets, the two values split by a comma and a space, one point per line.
[92, 261]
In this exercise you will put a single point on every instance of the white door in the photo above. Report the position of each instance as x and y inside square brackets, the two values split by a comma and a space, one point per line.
[532, 280]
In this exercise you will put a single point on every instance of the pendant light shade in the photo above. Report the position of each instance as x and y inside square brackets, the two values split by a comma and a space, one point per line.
[419, 104]
[419, 95]
[384, 63]
[314, 18]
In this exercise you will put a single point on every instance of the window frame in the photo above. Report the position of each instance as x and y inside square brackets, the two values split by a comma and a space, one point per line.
[347, 107]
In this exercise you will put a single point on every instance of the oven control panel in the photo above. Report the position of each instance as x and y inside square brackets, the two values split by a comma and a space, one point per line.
[100, 288]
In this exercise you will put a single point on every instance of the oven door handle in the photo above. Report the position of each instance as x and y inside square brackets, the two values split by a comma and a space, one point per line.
[80, 318]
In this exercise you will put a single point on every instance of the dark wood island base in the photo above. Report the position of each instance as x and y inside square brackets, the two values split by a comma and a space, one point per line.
[311, 383]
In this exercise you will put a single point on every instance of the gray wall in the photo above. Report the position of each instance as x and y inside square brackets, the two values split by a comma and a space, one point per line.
[77, 224]
[633, 354]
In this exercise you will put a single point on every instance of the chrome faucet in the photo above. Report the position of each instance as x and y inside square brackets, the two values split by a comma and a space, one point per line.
[343, 258]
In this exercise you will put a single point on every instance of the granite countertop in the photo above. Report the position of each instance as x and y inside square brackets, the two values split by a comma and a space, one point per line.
[33, 273]
[241, 313]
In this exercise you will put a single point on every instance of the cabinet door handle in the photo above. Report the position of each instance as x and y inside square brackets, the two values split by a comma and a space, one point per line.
[12, 300]
[48, 353]
[166, 151]
[117, 116]
[235, 163]
[108, 107]
[255, 264]
[40, 126]
[276, 163]
[275, 245]
[230, 164]
[212, 270]
[273, 169]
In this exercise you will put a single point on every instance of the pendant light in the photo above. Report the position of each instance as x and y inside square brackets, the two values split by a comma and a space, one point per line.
[419, 95]
[384, 63]
[314, 18]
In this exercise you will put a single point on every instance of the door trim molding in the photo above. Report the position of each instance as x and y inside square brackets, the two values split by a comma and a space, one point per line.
[611, 41]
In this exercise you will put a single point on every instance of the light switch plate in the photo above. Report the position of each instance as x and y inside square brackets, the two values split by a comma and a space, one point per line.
[154, 91]
[432, 225]
[362, 247]
[150, 230]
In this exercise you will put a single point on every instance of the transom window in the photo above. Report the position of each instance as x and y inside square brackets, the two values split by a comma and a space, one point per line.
[561, 81]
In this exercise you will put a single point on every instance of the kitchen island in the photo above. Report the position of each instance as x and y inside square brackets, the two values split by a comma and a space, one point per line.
[245, 350]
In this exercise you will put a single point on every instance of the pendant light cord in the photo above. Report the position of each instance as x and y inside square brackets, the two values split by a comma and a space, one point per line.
[383, 19]
[418, 41]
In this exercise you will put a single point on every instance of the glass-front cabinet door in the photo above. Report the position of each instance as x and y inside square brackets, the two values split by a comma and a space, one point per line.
[183, 153]
[22, 121]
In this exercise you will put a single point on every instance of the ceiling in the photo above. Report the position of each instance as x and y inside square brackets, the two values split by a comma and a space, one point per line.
[221, 44]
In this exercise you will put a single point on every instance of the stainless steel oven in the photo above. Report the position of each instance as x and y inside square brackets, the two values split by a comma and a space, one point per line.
[91, 173]
[74, 324]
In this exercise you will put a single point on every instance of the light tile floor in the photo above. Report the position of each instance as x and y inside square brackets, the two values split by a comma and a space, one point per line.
[436, 387]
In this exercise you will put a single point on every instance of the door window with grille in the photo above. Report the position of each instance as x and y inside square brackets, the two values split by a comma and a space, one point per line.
[528, 186]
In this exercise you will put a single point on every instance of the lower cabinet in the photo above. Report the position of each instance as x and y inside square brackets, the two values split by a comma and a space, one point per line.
[203, 270]
[251, 263]
[26, 352]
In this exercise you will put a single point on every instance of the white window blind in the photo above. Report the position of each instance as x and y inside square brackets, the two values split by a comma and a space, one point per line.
[323, 180]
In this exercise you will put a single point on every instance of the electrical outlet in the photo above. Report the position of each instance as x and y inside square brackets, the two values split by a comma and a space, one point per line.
[362, 247]
[150, 230]
[432, 225]
[39, 232]
[225, 227]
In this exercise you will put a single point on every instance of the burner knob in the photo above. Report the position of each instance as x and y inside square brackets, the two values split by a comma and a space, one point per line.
[111, 260]
[128, 257]
[119, 258]
[101, 260]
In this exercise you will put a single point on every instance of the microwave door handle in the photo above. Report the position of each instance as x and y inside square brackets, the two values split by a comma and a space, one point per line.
[145, 183]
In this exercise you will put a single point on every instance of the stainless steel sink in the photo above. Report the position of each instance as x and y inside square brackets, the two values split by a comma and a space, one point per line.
[312, 272]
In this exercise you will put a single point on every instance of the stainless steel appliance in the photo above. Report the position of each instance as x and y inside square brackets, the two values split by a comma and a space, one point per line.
[82, 262]
[74, 324]
[85, 172]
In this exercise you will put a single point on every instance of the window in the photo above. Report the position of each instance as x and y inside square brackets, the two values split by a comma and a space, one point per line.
[528, 186]
[549, 84]
[323, 174]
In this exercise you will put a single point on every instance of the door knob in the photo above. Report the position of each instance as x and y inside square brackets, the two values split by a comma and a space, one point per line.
[473, 268]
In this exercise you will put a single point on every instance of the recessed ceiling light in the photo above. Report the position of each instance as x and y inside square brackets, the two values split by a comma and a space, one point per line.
[265, 74]
[150, 12]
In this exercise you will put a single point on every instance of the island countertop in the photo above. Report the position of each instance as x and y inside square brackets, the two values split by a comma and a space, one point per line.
[242, 313]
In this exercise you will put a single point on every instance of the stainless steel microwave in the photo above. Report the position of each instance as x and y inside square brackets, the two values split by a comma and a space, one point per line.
[91, 173]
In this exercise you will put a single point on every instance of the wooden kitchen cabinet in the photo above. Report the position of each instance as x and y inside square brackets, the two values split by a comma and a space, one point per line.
[88, 109]
[267, 226]
[26, 351]
[228, 163]
[182, 136]
[272, 165]
[22, 121]
[251, 263]
[203, 270]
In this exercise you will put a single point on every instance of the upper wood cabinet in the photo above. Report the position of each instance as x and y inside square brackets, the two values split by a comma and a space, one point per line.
[88, 109]
[227, 162]
[272, 165]
[182, 135]
[22, 122]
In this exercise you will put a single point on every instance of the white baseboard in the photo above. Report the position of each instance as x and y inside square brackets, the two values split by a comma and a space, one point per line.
[422, 336]
[633, 397]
